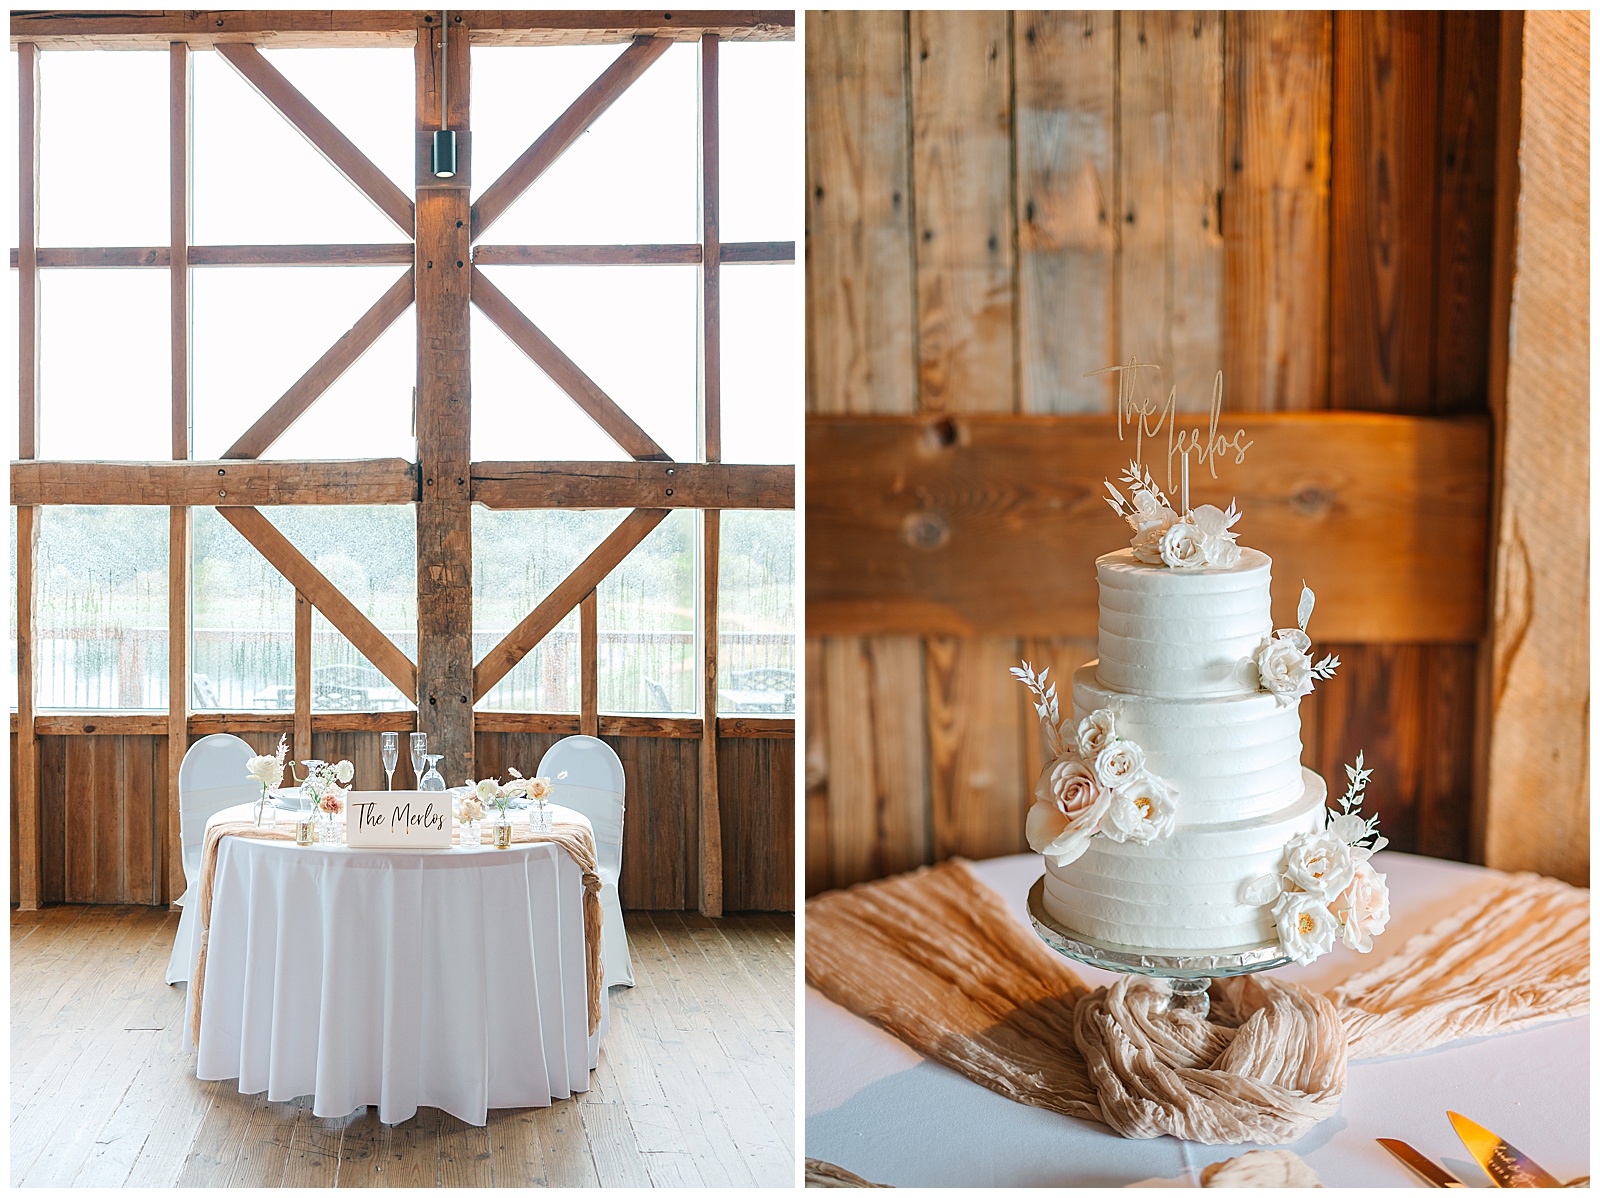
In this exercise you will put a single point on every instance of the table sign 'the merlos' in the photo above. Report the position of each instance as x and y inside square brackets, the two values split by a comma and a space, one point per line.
[397, 819]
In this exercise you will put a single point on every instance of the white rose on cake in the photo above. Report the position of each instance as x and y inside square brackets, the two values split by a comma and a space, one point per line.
[1285, 668]
[1319, 863]
[1363, 909]
[1118, 764]
[1306, 928]
[1182, 547]
[1141, 811]
[1217, 545]
[1067, 810]
[1095, 731]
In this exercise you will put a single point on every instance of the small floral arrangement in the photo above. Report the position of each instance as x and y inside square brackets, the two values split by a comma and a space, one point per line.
[471, 809]
[327, 783]
[1161, 536]
[1327, 889]
[267, 770]
[490, 791]
[1094, 783]
[1284, 659]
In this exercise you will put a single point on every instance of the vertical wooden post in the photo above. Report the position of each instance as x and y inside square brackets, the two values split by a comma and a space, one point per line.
[444, 418]
[181, 160]
[302, 677]
[710, 857]
[589, 663]
[26, 783]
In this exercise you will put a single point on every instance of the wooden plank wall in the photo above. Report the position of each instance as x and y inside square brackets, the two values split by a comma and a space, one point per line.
[998, 202]
[100, 799]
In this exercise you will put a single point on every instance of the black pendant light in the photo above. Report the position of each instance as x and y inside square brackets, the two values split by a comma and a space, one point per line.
[444, 140]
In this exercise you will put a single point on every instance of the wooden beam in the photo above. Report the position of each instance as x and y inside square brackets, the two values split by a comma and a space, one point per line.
[536, 722]
[755, 728]
[325, 371]
[302, 677]
[515, 180]
[308, 580]
[589, 663]
[324, 137]
[584, 255]
[296, 28]
[444, 689]
[215, 483]
[180, 158]
[25, 783]
[974, 525]
[124, 257]
[631, 484]
[756, 253]
[176, 722]
[517, 643]
[562, 371]
[710, 823]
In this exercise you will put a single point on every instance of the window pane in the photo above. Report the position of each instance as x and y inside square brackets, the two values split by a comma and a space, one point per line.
[631, 178]
[632, 329]
[518, 557]
[102, 620]
[755, 613]
[105, 370]
[242, 647]
[258, 329]
[760, 364]
[759, 89]
[258, 182]
[103, 148]
[369, 553]
[647, 623]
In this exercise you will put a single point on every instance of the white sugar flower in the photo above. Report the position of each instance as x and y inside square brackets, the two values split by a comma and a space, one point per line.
[266, 770]
[1306, 928]
[1070, 785]
[1181, 546]
[1141, 811]
[1319, 863]
[1221, 552]
[1060, 837]
[344, 771]
[1284, 669]
[1095, 731]
[1151, 520]
[1363, 909]
[1118, 764]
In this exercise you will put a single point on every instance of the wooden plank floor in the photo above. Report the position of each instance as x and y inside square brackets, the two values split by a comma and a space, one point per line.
[696, 1084]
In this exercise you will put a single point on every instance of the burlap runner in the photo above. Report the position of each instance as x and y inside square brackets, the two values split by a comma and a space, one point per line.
[937, 959]
[576, 839]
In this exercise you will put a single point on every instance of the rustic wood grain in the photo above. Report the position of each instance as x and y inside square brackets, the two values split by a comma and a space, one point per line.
[757, 253]
[1279, 77]
[589, 663]
[584, 255]
[341, 613]
[302, 678]
[325, 371]
[563, 371]
[1066, 152]
[965, 237]
[758, 823]
[1385, 112]
[818, 875]
[538, 623]
[934, 525]
[220, 483]
[323, 135]
[180, 150]
[1539, 584]
[25, 780]
[595, 99]
[444, 683]
[860, 315]
[978, 794]
[125, 257]
[710, 816]
[710, 348]
[176, 743]
[631, 484]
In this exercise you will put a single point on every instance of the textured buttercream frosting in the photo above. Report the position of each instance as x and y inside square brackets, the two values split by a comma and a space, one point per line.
[1175, 666]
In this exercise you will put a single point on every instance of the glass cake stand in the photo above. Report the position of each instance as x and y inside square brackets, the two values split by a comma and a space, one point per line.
[1188, 975]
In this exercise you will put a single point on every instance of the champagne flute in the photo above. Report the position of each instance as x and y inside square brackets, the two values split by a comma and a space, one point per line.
[391, 754]
[419, 749]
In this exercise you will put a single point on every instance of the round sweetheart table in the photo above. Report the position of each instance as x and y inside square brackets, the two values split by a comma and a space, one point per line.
[882, 1111]
[451, 978]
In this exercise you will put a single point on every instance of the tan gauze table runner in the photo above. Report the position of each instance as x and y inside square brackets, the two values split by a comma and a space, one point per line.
[576, 839]
[937, 959]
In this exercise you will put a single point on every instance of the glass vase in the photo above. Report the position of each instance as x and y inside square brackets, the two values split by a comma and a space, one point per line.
[539, 817]
[471, 833]
[328, 828]
[266, 812]
[501, 828]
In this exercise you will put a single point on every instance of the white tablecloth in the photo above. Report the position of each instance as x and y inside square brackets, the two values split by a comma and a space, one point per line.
[451, 978]
[884, 1112]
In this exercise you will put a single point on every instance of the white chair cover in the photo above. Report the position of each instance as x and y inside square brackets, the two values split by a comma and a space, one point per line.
[595, 786]
[211, 777]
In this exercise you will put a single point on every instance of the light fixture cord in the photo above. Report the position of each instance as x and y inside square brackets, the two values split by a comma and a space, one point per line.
[444, 65]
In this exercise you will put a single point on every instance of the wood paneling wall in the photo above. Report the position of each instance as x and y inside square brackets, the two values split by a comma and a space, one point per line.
[106, 789]
[999, 202]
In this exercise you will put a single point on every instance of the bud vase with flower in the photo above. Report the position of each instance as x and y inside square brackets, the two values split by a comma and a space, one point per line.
[323, 790]
[267, 770]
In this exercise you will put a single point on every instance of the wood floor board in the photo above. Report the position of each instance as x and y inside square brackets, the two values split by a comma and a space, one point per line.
[695, 1085]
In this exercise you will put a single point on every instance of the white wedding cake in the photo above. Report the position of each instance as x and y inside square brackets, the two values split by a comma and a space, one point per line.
[1173, 810]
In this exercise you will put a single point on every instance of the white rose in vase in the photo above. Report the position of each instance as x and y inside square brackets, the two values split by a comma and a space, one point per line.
[1319, 863]
[1118, 764]
[1363, 909]
[1182, 547]
[266, 770]
[1306, 928]
[1285, 670]
[1095, 731]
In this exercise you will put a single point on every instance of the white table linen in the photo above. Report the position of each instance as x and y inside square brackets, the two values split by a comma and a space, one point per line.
[451, 978]
[881, 1110]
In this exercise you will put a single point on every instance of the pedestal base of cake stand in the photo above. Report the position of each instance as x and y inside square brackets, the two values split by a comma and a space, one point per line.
[1188, 973]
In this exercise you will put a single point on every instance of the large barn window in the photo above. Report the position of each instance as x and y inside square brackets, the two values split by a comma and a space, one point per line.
[507, 453]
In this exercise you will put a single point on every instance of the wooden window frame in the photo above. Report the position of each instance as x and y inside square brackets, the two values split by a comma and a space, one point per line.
[445, 228]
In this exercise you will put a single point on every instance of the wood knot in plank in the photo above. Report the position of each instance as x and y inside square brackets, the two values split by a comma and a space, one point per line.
[925, 530]
[1314, 501]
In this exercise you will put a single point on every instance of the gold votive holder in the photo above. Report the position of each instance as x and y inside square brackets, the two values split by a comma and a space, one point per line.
[305, 832]
[502, 835]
